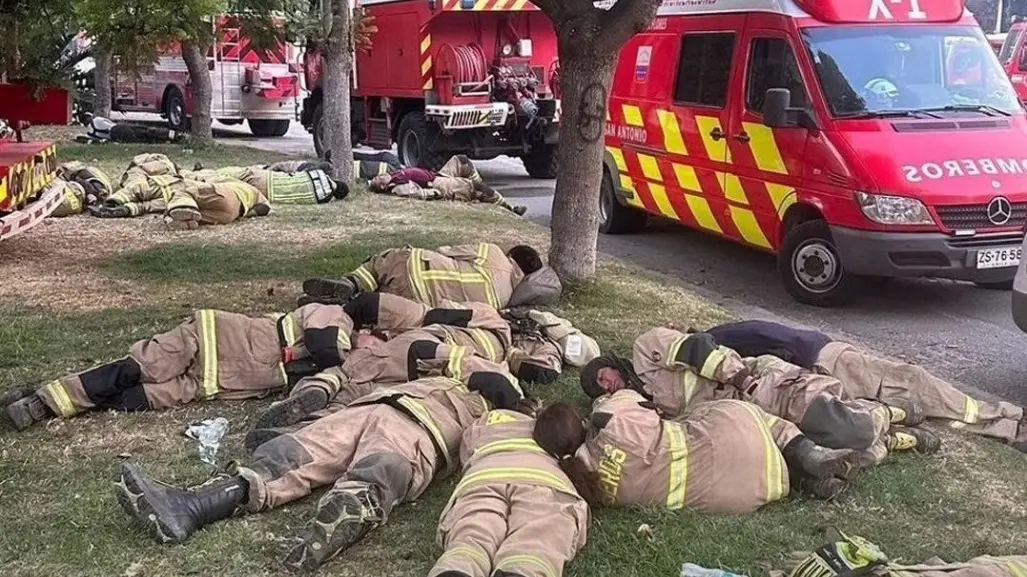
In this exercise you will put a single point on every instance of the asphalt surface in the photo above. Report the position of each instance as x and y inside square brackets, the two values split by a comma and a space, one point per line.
[955, 330]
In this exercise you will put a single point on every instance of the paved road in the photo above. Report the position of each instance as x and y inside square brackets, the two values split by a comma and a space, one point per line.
[954, 329]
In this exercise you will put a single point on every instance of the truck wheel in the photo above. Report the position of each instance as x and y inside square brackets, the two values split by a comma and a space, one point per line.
[541, 161]
[266, 127]
[174, 110]
[996, 286]
[413, 143]
[811, 268]
[280, 128]
[615, 218]
[317, 122]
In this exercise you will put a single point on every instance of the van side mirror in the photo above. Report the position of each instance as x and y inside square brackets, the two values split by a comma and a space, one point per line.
[1023, 57]
[778, 113]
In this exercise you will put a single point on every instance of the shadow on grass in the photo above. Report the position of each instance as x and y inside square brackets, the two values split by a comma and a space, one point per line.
[219, 263]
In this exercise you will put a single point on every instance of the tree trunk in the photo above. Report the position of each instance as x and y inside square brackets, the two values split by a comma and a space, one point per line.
[586, 73]
[102, 82]
[202, 89]
[335, 86]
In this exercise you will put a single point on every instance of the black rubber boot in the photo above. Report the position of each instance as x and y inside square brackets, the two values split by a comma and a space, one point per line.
[805, 456]
[907, 414]
[16, 395]
[825, 489]
[292, 410]
[912, 439]
[257, 437]
[343, 518]
[342, 289]
[171, 514]
[519, 209]
[28, 411]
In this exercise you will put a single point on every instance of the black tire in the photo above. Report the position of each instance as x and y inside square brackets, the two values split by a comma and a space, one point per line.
[268, 127]
[541, 161]
[413, 140]
[615, 218]
[811, 268]
[1006, 285]
[174, 111]
[317, 130]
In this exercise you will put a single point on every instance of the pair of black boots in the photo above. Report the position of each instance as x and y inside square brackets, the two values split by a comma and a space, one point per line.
[171, 514]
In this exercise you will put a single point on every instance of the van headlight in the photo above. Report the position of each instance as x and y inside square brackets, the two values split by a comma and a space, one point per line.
[884, 209]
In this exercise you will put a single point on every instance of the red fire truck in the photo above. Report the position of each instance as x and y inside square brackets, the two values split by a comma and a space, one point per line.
[258, 86]
[27, 167]
[851, 138]
[1013, 56]
[477, 77]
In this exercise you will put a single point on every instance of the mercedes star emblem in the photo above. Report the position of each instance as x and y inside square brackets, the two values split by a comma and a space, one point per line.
[999, 210]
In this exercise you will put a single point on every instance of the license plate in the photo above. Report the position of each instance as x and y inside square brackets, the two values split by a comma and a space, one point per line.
[999, 257]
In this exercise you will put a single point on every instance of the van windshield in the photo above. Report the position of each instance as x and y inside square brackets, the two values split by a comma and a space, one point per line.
[874, 71]
[1005, 54]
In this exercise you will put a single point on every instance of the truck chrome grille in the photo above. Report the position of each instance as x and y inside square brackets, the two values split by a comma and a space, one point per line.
[975, 216]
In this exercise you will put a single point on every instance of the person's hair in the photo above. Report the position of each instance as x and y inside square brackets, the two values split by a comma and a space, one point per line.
[589, 376]
[526, 257]
[559, 430]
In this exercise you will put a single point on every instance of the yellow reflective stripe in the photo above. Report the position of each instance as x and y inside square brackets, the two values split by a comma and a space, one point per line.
[678, 445]
[764, 148]
[703, 213]
[452, 275]
[690, 382]
[675, 348]
[165, 192]
[972, 411]
[512, 475]
[285, 375]
[618, 158]
[244, 193]
[415, 276]
[466, 551]
[482, 338]
[383, 168]
[659, 194]
[1016, 568]
[456, 357]
[747, 224]
[713, 362]
[774, 464]
[209, 343]
[289, 328]
[782, 196]
[490, 291]
[61, 398]
[134, 208]
[715, 149]
[672, 140]
[520, 445]
[73, 201]
[120, 197]
[514, 560]
[343, 342]
[366, 278]
[424, 417]
[632, 115]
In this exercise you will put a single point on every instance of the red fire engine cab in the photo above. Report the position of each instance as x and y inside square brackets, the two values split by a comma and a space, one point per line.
[475, 77]
[255, 85]
[1013, 56]
[26, 168]
[851, 138]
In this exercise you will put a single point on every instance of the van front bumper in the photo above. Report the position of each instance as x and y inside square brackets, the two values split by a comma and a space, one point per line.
[897, 254]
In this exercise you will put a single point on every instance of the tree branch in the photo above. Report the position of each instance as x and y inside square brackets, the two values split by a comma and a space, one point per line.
[561, 10]
[625, 19]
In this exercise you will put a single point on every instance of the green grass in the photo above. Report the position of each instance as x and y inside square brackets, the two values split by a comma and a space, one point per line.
[58, 514]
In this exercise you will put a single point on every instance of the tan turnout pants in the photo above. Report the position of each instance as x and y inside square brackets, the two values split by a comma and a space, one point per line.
[526, 530]
[352, 448]
[866, 376]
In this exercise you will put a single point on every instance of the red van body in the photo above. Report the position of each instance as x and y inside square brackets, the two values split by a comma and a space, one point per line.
[852, 138]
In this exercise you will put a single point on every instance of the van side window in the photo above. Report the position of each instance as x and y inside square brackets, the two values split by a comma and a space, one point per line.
[772, 64]
[704, 69]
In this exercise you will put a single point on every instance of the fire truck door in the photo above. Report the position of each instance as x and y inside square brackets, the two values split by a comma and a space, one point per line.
[700, 96]
[766, 163]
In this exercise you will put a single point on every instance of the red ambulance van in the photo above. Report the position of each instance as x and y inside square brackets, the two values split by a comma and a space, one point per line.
[852, 138]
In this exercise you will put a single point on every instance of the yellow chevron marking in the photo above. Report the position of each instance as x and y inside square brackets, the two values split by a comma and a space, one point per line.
[499, 5]
[671, 132]
[425, 44]
[650, 167]
[733, 190]
[662, 202]
[782, 196]
[746, 222]
[715, 149]
[702, 213]
[618, 158]
[632, 115]
[519, 4]
[426, 65]
[428, 84]
[626, 184]
[480, 4]
[687, 178]
[764, 148]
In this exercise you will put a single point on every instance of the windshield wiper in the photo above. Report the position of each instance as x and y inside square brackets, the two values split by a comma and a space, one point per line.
[983, 108]
[887, 114]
